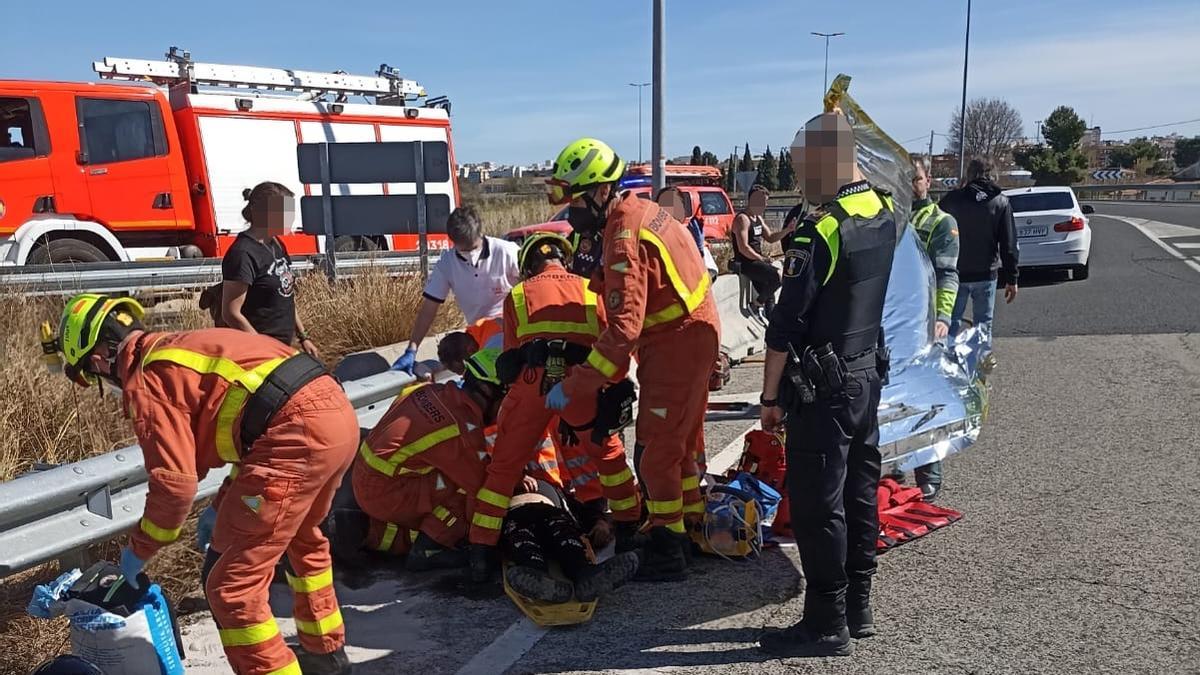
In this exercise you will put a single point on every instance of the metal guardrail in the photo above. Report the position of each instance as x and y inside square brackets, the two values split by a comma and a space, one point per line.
[53, 513]
[113, 277]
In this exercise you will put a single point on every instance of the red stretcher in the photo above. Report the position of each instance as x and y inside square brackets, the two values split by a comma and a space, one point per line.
[904, 515]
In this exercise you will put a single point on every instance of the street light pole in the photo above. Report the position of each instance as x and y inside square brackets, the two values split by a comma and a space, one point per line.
[639, 86]
[962, 112]
[659, 176]
[826, 36]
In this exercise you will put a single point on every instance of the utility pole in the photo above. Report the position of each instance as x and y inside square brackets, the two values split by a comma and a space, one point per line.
[962, 115]
[639, 88]
[1038, 123]
[826, 36]
[656, 123]
[931, 148]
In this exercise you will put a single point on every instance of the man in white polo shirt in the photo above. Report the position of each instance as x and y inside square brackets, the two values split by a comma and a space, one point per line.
[479, 271]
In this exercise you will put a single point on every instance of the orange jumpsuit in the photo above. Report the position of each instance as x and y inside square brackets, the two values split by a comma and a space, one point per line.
[569, 468]
[552, 305]
[421, 465]
[185, 393]
[657, 299]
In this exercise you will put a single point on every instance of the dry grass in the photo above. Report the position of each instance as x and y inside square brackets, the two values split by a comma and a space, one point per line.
[44, 419]
[502, 213]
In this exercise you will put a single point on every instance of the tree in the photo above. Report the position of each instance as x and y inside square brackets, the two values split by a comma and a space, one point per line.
[697, 156]
[730, 172]
[1063, 129]
[709, 159]
[768, 170]
[786, 180]
[747, 163]
[1139, 153]
[991, 129]
[1059, 161]
[1187, 152]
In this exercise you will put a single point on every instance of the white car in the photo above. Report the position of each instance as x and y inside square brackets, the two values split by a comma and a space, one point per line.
[1052, 229]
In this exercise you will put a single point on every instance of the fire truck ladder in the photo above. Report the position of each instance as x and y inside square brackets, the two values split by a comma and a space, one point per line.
[387, 87]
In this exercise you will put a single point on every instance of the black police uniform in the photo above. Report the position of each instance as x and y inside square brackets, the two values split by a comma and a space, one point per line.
[835, 277]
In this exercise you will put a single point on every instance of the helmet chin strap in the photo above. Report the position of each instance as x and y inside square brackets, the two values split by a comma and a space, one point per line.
[598, 209]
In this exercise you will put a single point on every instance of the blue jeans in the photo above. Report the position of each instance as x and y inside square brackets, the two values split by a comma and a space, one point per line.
[983, 304]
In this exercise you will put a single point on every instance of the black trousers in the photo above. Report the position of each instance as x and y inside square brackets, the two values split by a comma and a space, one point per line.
[535, 534]
[832, 478]
[764, 277]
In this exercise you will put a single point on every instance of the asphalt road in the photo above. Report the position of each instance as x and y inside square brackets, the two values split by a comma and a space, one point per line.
[1181, 213]
[1134, 287]
[1076, 552]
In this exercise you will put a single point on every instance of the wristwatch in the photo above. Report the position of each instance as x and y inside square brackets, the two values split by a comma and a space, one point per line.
[768, 402]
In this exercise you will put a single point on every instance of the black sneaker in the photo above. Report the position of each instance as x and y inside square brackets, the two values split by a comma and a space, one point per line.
[664, 557]
[538, 584]
[799, 641]
[596, 580]
[427, 554]
[333, 663]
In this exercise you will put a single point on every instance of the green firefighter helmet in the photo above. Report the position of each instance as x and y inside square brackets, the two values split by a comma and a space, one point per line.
[582, 165]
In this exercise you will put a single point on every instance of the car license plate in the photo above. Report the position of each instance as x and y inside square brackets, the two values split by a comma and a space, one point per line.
[1035, 231]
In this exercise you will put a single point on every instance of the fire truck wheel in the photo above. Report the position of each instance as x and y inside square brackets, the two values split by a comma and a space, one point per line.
[350, 244]
[66, 250]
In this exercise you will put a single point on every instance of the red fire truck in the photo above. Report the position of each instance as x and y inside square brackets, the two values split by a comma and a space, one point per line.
[117, 171]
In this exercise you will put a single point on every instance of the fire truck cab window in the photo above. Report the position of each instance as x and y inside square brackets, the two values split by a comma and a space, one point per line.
[16, 130]
[117, 131]
[713, 204]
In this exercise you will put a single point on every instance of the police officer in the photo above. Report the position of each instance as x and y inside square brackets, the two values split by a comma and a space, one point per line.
[939, 233]
[835, 276]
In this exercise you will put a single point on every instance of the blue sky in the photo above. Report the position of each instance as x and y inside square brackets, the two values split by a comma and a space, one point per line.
[526, 77]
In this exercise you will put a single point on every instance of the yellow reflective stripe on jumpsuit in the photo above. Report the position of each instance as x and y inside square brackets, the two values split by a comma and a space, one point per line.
[391, 465]
[525, 327]
[243, 383]
[690, 297]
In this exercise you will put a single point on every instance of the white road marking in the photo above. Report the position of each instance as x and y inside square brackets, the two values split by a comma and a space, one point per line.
[506, 649]
[1187, 244]
[1155, 231]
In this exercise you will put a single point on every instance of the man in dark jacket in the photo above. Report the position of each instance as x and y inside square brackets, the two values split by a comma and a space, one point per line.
[987, 245]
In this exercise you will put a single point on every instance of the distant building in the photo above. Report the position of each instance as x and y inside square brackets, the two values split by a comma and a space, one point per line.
[944, 165]
[1091, 137]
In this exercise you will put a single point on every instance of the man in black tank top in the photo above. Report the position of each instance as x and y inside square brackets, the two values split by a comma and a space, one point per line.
[749, 231]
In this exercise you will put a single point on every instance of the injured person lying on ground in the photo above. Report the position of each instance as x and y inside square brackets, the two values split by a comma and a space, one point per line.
[544, 529]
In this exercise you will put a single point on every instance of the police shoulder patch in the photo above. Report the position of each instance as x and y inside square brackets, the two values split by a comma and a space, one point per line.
[794, 261]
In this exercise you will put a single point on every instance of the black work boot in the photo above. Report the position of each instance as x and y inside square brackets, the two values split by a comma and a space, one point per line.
[630, 537]
[664, 559]
[800, 641]
[859, 618]
[333, 663]
[537, 584]
[596, 580]
[427, 554]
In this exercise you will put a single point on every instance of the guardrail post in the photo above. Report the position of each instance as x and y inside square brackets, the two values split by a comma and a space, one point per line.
[422, 217]
[327, 214]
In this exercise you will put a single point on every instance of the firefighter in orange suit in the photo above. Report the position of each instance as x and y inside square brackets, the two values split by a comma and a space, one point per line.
[657, 300]
[420, 467]
[551, 320]
[204, 398]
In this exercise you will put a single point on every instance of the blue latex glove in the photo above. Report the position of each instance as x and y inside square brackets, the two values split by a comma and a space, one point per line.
[131, 565]
[556, 398]
[406, 361]
[204, 529]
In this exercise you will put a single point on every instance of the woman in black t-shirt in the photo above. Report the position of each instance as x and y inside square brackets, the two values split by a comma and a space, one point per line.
[258, 287]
